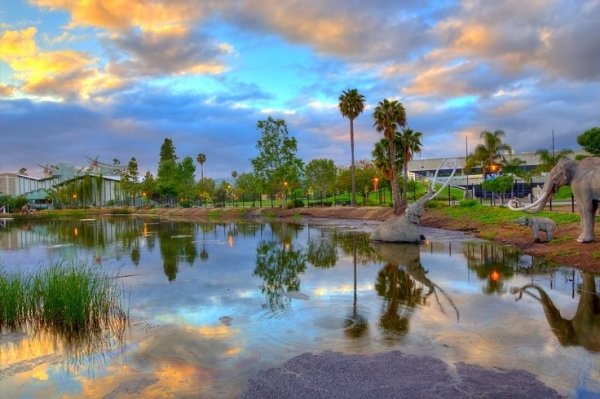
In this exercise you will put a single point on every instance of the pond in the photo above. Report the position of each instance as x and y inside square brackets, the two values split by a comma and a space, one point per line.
[212, 304]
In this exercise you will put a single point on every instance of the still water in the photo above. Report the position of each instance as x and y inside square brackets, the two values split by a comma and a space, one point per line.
[211, 304]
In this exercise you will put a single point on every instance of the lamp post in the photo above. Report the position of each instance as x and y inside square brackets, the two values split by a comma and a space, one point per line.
[375, 187]
[492, 169]
[285, 186]
[228, 191]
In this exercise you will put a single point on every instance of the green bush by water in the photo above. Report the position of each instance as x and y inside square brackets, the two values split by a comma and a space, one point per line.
[62, 297]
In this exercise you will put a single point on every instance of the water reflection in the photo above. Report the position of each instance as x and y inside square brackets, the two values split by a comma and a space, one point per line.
[355, 325]
[496, 264]
[584, 328]
[404, 284]
[212, 303]
[176, 245]
[279, 265]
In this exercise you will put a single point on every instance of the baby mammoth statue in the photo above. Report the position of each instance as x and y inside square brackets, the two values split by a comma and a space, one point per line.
[538, 224]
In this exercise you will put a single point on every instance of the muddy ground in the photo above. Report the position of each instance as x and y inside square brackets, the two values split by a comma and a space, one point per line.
[564, 249]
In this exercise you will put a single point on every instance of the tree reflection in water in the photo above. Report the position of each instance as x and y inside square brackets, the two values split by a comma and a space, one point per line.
[401, 283]
[176, 243]
[279, 264]
[355, 325]
[491, 263]
[322, 251]
[584, 328]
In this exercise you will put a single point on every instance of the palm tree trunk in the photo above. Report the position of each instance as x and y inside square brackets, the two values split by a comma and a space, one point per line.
[398, 208]
[352, 168]
[405, 175]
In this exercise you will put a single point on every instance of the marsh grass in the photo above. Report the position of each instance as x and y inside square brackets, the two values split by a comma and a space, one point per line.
[71, 300]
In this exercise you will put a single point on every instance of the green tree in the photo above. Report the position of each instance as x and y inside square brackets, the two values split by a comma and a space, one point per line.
[276, 162]
[247, 185]
[590, 141]
[321, 175]
[201, 158]
[129, 184]
[166, 181]
[514, 167]
[410, 143]
[186, 179]
[499, 185]
[490, 153]
[352, 104]
[148, 185]
[206, 189]
[549, 159]
[389, 116]
[365, 175]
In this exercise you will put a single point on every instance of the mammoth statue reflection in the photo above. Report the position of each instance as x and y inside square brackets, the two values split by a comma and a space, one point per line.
[584, 328]
[584, 178]
[404, 283]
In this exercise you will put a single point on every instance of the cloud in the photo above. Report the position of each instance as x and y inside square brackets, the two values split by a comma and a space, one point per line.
[6, 90]
[122, 15]
[354, 30]
[62, 74]
[167, 52]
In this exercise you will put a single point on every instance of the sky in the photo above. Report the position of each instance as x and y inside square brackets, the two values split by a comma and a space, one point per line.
[114, 78]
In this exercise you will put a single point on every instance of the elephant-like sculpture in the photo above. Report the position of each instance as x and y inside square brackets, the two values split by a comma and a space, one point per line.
[405, 227]
[536, 225]
[584, 178]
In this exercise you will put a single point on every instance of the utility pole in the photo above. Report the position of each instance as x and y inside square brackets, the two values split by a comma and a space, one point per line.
[552, 143]
[465, 164]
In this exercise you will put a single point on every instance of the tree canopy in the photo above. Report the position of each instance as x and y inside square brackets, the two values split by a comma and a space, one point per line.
[590, 141]
[490, 153]
[321, 174]
[389, 116]
[276, 162]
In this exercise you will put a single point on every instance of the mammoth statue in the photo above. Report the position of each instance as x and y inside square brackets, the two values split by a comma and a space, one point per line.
[405, 227]
[584, 178]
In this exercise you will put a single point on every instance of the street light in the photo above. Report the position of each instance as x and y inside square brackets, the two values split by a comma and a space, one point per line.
[285, 186]
[375, 187]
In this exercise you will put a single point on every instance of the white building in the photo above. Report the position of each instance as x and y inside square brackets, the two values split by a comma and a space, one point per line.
[36, 189]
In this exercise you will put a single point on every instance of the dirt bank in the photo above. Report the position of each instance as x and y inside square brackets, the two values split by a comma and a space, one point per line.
[564, 249]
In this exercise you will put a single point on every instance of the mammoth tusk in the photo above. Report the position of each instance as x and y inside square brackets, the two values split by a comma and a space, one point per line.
[447, 180]
[430, 194]
[512, 204]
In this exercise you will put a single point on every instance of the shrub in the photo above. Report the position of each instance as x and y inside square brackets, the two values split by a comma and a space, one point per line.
[468, 203]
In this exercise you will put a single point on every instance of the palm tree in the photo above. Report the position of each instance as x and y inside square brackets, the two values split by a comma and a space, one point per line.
[388, 116]
[490, 153]
[352, 104]
[411, 143]
[381, 157]
[201, 158]
[549, 159]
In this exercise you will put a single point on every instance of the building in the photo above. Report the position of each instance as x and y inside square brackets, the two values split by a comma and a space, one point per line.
[425, 169]
[37, 190]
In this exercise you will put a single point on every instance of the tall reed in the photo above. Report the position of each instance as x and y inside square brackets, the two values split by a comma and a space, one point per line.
[67, 298]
